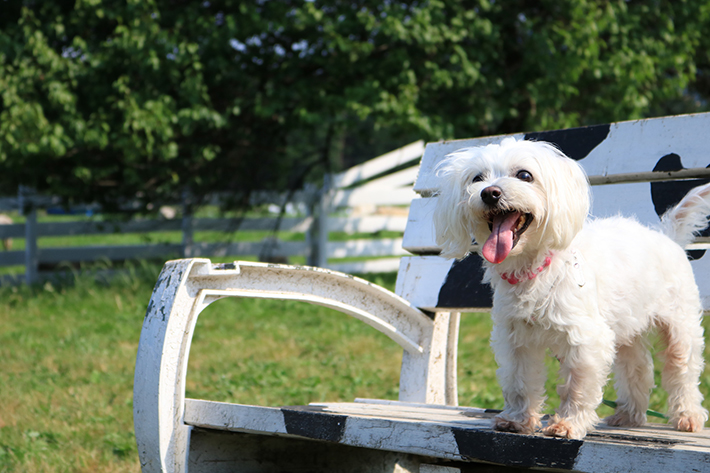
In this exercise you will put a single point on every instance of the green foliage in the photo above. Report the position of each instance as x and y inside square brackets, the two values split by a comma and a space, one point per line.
[112, 100]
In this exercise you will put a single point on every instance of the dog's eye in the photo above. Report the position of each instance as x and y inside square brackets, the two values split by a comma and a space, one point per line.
[478, 178]
[524, 176]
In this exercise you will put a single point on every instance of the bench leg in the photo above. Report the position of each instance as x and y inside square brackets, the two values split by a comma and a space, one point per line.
[437, 366]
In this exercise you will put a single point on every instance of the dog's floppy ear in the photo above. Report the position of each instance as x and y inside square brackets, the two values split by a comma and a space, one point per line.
[568, 199]
[451, 221]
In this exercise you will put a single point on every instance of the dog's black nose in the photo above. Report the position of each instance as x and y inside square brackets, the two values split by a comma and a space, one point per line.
[491, 195]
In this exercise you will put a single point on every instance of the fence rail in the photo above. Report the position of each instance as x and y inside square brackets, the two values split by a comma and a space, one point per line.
[351, 204]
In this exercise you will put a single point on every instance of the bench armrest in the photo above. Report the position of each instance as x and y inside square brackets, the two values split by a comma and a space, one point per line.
[185, 287]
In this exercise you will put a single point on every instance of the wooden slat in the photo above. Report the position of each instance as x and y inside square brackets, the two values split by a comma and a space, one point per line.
[12, 258]
[352, 248]
[126, 252]
[650, 176]
[630, 200]
[630, 147]
[369, 224]
[369, 195]
[420, 234]
[405, 177]
[15, 230]
[287, 224]
[379, 165]
[383, 265]
[8, 204]
[53, 229]
[95, 253]
[420, 278]
[282, 248]
[460, 434]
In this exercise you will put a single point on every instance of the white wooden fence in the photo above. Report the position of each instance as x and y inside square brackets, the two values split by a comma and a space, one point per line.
[378, 200]
[364, 199]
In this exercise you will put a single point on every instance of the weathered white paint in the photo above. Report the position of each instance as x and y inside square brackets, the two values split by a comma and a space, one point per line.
[428, 430]
[234, 417]
[388, 405]
[185, 287]
[420, 235]
[420, 278]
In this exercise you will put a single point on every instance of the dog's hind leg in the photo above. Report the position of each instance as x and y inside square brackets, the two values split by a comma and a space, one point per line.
[633, 372]
[683, 363]
[584, 369]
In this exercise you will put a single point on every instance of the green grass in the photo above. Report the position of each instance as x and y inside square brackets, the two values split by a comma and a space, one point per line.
[68, 353]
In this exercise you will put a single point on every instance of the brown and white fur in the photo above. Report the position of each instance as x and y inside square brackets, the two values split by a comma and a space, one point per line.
[588, 290]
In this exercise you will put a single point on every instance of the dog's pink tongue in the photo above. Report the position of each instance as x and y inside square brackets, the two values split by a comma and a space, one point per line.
[499, 244]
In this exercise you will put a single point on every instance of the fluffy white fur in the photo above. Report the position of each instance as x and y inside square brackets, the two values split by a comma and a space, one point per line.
[608, 282]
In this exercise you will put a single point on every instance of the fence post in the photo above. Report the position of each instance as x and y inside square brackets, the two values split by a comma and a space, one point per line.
[312, 195]
[187, 225]
[29, 210]
[320, 240]
[317, 234]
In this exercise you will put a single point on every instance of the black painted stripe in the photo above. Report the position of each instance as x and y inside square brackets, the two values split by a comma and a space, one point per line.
[463, 287]
[576, 143]
[666, 194]
[518, 450]
[314, 424]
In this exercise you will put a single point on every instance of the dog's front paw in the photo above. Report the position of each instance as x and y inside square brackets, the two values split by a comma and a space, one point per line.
[689, 423]
[558, 427]
[526, 427]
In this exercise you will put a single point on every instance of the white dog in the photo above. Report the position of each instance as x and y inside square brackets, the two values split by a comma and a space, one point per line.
[587, 290]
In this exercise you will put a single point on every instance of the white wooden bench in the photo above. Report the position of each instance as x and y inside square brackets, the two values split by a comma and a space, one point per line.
[636, 167]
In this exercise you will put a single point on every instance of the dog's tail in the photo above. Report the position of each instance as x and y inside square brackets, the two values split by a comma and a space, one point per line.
[689, 217]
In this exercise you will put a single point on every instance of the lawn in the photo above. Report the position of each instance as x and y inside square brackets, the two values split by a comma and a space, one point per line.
[67, 352]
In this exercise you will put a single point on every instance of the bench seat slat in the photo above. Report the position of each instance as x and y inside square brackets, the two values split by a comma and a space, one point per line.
[458, 434]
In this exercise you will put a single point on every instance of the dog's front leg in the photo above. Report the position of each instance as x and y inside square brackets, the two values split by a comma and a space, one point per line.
[584, 370]
[521, 374]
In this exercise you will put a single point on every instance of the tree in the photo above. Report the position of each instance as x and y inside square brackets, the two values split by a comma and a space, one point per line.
[110, 101]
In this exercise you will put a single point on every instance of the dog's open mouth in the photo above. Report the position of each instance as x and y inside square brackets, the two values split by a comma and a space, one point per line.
[506, 229]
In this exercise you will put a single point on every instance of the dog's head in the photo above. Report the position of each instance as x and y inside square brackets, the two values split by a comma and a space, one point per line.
[512, 198]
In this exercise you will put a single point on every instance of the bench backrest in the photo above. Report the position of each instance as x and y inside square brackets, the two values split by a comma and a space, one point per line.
[637, 168]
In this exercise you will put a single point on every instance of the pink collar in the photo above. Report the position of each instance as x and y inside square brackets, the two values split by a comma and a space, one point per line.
[532, 274]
